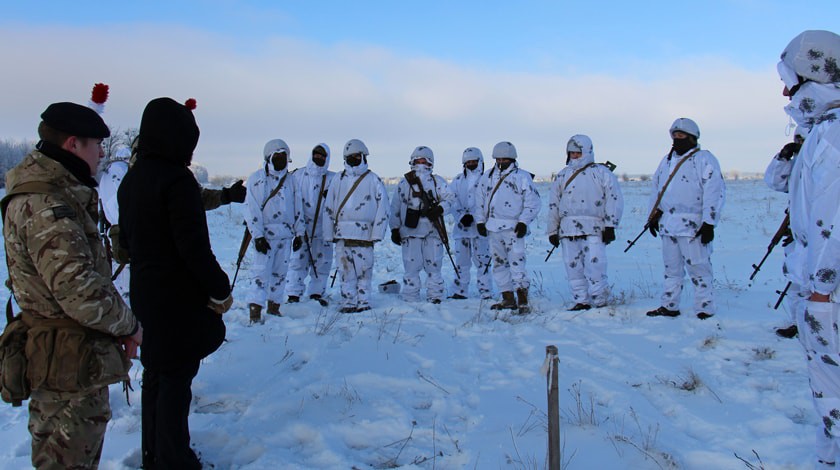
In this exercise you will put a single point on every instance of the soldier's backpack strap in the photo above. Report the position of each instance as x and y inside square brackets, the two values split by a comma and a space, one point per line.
[576, 173]
[38, 187]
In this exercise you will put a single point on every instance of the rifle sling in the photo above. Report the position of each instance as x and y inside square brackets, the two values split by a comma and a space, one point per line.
[493, 193]
[670, 177]
[347, 196]
[576, 173]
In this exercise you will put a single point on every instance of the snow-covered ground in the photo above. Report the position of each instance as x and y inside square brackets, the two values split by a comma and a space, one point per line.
[457, 385]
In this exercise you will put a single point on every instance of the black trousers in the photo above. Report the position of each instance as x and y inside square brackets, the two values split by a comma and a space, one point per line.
[165, 411]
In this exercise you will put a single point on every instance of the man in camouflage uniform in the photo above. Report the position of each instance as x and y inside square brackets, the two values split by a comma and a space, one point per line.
[62, 283]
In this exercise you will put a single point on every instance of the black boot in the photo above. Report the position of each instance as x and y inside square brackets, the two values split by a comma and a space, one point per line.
[789, 332]
[663, 312]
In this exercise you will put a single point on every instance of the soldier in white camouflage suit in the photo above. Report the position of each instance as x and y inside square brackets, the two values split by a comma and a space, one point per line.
[412, 226]
[584, 209]
[508, 202]
[470, 249]
[311, 183]
[689, 210]
[356, 218]
[273, 215]
[810, 72]
[62, 283]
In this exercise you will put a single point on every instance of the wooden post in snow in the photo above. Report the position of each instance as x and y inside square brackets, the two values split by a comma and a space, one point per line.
[552, 361]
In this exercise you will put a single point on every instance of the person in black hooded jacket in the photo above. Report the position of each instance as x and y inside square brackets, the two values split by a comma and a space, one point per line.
[178, 290]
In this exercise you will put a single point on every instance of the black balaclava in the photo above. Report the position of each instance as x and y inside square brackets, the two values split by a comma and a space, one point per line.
[354, 160]
[279, 161]
[685, 144]
[504, 166]
[319, 156]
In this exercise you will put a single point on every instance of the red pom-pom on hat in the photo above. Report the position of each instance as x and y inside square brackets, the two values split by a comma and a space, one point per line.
[190, 104]
[98, 97]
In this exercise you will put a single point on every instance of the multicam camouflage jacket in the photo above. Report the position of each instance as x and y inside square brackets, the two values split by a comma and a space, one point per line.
[56, 258]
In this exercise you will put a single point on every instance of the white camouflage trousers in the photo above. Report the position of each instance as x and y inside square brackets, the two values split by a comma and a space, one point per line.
[300, 267]
[508, 252]
[270, 271]
[586, 268]
[682, 254]
[818, 331]
[470, 252]
[422, 254]
[355, 263]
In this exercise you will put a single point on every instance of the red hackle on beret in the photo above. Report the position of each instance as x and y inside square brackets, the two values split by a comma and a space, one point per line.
[190, 104]
[99, 95]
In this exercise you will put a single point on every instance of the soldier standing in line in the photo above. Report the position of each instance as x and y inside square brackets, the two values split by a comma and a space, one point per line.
[356, 218]
[315, 260]
[470, 248]
[508, 202]
[62, 282]
[686, 205]
[416, 217]
[273, 211]
[584, 208]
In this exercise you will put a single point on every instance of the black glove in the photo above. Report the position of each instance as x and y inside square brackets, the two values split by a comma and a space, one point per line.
[554, 239]
[434, 212]
[521, 229]
[787, 240]
[234, 193]
[653, 223]
[789, 150]
[395, 236]
[261, 245]
[482, 229]
[466, 220]
[297, 243]
[706, 233]
[608, 235]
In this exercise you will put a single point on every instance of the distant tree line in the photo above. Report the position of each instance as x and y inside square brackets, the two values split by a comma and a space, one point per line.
[11, 153]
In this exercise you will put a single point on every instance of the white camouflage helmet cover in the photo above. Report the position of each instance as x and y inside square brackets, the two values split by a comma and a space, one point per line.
[472, 153]
[579, 143]
[504, 150]
[813, 55]
[685, 125]
[422, 152]
[276, 146]
[355, 146]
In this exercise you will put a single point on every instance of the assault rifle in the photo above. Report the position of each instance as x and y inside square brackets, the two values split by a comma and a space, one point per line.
[655, 215]
[437, 222]
[777, 237]
[243, 248]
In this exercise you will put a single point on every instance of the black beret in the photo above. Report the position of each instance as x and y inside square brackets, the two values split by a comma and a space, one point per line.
[75, 119]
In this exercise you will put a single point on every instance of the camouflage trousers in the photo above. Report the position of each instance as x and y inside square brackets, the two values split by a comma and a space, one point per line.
[68, 433]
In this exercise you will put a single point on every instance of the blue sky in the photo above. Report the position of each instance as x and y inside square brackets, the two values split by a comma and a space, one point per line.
[444, 74]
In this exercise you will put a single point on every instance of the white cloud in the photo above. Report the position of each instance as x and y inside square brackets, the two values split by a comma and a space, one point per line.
[306, 93]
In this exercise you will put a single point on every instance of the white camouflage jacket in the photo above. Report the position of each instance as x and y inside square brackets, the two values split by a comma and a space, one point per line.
[464, 189]
[365, 215]
[591, 202]
[308, 181]
[281, 217]
[516, 199]
[695, 195]
[404, 200]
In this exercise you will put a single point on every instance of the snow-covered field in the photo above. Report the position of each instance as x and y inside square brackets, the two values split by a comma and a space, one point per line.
[457, 385]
